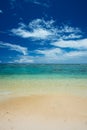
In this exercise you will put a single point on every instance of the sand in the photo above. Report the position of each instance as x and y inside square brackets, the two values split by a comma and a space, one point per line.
[43, 104]
[44, 112]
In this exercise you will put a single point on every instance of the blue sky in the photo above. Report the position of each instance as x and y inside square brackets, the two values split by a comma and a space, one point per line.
[43, 31]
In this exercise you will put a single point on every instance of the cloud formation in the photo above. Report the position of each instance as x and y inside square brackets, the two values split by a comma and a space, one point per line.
[53, 55]
[50, 52]
[46, 30]
[71, 51]
[56, 55]
[14, 47]
[73, 44]
[66, 43]
[37, 29]
[23, 59]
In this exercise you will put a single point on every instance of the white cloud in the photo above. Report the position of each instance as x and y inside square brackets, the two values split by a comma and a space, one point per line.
[64, 37]
[75, 44]
[38, 29]
[57, 55]
[67, 32]
[50, 52]
[14, 47]
[23, 59]
[68, 29]
[76, 54]
[1, 11]
[41, 23]
[71, 36]
[37, 33]
[53, 55]
[46, 30]
[74, 57]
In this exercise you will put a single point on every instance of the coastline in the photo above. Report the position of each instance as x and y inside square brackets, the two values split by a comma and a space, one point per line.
[43, 97]
[30, 86]
[49, 104]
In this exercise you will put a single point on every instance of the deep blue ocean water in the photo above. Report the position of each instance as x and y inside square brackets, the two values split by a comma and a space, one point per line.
[44, 70]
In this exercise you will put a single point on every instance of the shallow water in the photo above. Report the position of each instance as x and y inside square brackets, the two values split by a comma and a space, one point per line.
[43, 79]
[43, 70]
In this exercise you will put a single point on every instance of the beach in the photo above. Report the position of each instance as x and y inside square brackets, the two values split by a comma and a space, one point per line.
[43, 102]
[41, 112]
[34, 108]
[43, 64]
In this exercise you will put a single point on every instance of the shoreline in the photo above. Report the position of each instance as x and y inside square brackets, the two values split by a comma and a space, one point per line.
[43, 104]
[39, 86]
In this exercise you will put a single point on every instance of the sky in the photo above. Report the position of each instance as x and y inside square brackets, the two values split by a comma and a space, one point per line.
[43, 31]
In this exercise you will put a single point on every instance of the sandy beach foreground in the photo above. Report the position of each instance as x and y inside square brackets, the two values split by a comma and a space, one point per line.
[44, 112]
[43, 103]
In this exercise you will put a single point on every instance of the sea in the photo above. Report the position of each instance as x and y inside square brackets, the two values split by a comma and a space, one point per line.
[25, 79]
[43, 70]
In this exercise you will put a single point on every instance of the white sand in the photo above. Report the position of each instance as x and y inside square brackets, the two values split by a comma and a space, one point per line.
[44, 112]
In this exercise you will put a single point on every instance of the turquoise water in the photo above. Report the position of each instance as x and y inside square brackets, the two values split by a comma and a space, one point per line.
[42, 79]
[43, 70]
